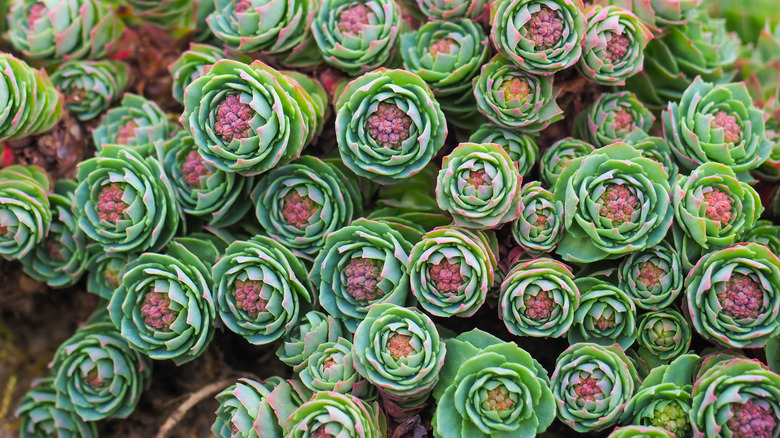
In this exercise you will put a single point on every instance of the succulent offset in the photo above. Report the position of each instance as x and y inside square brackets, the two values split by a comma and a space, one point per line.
[90, 87]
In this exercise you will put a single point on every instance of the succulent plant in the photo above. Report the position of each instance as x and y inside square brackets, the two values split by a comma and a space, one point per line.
[202, 190]
[522, 148]
[735, 398]
[61, 258]
[733, 296]
[30, 103]
[90, 87]
[105, 271]
[357, 36]
[125, 200]
[191, 65]
[251, 118]
[98, 374]
[479, 185]
[450, 11]
[558, 155]
[361, 264]
[640, 432]
[332, 368]
[701, 47]
[606, 315]
[61, 30]
[592, 384]
[253, 409]
[540, 225]
[25, 210]
[491, 388]
[624, 208]
[540, 36]
[765, 233]
[164, 305]
[663, 336]
[260, 289]
[137, 123]
[451, 270]
[652, 277]
[659, 13]
[300, 203]
[39, 416]
[611, 118]
[334, 414]
[772, 352]
[388, 125]
[166, 13]
[538, 298]
[312, 330]
[655, 148]
[514, 98]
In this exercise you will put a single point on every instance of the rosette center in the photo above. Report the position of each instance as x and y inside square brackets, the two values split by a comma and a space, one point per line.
[400, 345]
[741, 297]
[587, 389]
[362, 279]
[193, 168]
[446, 276]
[732, 132]
[617, 46]
[619, 204]
[232, 119]
[649, 275]
[545, 28]
[499, 399]
[752, 419]
[388, 125]
[718, 206]
[157, 312]
[538, 306]
[110, 205]
[442, 45]
[515, 89]
[247, 294]
[298, 209]
[353, 19]
[673, 418]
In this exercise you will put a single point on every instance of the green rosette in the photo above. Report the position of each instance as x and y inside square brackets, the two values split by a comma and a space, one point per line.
[640, 432]
[105, 271]
[332, 368]
[515, 99]
[166, 13]
[136, 123]
[302, 202]
[29, 103]
[25, 210]
[202, 190]
[388, 125]
[540, 36]
[611, 118]
[61, 258]
[334, 414]
[90, 87]
[164, 305]
[714, 208]
[772, 351]
[558, 155]
[362, 264]
[522, 147]
[538, 298]
[97, 373]
[592, 384]
[312, 330]
[250, 118]
[735, 398]
[450, 11]
[765, 233]
[540, 225]
[663, 336]
[53, 31]
[39, 416]
[717, 123]
[615, 202]
[191, 65]
[357, 36]
[653, 277]
[126, 203]
[614, 45]
[491, 388]
[260, 289]
[655, 148]
[606, 315]
[659, 13]
[479, 185]
[451, 270]
[733, 296]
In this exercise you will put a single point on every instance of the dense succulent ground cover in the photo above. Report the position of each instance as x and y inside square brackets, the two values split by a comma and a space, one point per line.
[390, 218]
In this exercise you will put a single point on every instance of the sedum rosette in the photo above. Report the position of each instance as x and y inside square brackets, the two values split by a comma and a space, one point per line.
[250, 118]
[614, 45]
[538, 298]
[491, 388]
[514, 98]
[640, 432]
[25, 210]
[611, 118]
[126, 202]
[663, 336]
[540, 225]
[98, 374]
[105, 271]
[202, 190]
[388, 125]
[90, 87]
[765, 233]
[451, 270]
[332, 414]
[592, 384]
[659, 13]
[556, 156]
[479, 185]
[137, 123]
[360, 265]
[312, 330]
[260, 289]
[452, 10]
[332, 368]
[615, 202]
[652, 277]
[164, 305]
[733, 296]
[540, 36]
[39, 416]
[606, 315]
[29, 102]
[655, 148]
[61, 30]
[357, 36]
[191, 65]
[166, 13]
[521, 147]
